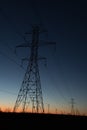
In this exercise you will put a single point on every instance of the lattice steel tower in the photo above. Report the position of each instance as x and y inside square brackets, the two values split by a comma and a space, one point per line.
[30, 90]
[72, 106]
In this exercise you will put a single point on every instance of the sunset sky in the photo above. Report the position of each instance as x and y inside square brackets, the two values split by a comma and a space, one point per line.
[65, 75]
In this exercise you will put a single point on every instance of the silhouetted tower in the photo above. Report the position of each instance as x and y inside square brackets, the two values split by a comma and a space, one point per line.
[72, 106]
[56, 111]
[31, 86]
[48, 108]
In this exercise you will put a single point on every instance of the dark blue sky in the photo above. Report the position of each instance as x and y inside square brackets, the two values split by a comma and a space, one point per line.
[66, 73]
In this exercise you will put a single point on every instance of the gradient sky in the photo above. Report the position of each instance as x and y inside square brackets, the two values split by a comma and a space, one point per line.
[65, 75]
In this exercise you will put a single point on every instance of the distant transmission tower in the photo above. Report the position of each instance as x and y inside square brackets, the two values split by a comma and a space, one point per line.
[31, 86]
[72, 106]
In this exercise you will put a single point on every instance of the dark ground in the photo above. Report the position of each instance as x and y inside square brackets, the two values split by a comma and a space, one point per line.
[41, 121]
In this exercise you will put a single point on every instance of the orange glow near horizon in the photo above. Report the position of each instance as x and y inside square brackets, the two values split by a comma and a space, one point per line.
[10, 109]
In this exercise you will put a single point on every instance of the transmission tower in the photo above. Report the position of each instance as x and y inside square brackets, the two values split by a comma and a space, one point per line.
[72, 106]
[30, 90]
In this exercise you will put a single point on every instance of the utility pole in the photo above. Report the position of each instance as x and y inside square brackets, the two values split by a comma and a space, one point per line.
[31, 85]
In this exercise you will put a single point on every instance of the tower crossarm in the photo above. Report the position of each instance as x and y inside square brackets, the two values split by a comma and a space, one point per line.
[44, 43]
[22, 45]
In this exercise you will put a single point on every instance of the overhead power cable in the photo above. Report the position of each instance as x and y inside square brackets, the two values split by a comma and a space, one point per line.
[1, 53]
[10, 21]
[5, 91]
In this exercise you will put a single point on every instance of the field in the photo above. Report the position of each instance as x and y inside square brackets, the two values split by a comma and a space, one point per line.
[41, 121]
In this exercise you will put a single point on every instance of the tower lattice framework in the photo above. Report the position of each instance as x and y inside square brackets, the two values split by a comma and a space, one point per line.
[30, 90]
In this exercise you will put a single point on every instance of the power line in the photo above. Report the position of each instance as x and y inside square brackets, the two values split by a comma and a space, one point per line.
[14, 27]
[54, 84]
[10, 21]
[6, 91]
[1, 53]
[52, 79]
[59, 65]
[7, 45]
